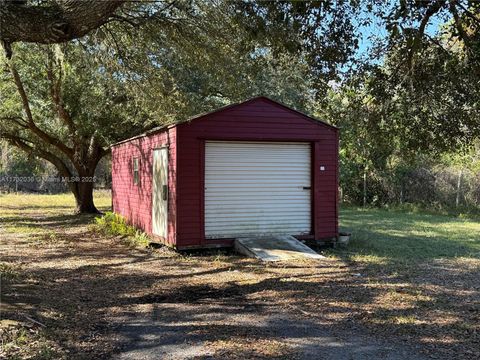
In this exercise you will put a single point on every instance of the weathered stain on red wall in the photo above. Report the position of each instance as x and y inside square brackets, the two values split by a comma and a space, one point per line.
[132, 201]
[259, 119]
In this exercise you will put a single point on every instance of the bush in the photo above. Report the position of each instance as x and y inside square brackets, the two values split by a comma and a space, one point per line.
[422, 185]
[116, 225]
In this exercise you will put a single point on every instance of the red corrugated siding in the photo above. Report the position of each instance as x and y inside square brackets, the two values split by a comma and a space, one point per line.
[255, 120]
[134, 202]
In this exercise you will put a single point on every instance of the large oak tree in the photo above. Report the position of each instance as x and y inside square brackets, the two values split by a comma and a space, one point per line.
[67, 102]
[139, 45]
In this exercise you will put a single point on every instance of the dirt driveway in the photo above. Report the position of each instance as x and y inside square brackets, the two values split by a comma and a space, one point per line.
[70, 293]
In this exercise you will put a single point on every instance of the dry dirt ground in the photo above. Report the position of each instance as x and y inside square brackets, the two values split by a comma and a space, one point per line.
[69, 293]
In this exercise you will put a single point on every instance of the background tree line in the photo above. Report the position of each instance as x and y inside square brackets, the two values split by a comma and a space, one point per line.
[408, 109]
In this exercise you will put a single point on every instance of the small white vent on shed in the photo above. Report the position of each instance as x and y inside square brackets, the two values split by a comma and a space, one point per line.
[257, 188]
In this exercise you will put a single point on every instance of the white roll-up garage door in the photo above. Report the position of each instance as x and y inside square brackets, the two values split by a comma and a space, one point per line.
[255, 188]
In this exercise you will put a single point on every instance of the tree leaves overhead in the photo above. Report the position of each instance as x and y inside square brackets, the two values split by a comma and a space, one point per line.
[54, 21]
[409, 23]
[154, 63]
[321, 31]
[179, 68]
[68, 102]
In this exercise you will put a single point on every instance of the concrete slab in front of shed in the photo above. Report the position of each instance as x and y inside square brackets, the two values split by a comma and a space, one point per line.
[275, 248]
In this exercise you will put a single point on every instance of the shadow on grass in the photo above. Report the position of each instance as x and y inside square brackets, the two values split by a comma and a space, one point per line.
[184, 303]
[36, 221]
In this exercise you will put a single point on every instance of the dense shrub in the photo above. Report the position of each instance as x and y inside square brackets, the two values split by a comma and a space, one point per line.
[431, 186]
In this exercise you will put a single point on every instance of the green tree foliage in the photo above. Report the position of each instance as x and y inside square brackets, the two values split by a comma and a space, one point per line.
[181, 68]
[321, 32]
[407, 23]
[415, 99]
[57, 107]
[13, 162]
[400, 118]
[66, 103]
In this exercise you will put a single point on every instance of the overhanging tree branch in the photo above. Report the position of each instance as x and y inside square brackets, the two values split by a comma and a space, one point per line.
[15, 119]
[30, 121]
[28, 147]
[468, 13]
[431, 10]
[458, 25]
[59, 21]
[56, 95]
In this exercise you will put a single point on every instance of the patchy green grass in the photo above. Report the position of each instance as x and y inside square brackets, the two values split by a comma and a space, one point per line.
[409, 278]
[8, 272]
[382, 237]
[21, 342]
[114, 224]
[33, 216]
[49, 203]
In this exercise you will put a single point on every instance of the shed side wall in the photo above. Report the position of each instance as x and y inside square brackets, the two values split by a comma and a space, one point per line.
[259, 120]
[134, 202]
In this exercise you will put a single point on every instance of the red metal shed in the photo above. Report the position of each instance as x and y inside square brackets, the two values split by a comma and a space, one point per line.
[252, 168]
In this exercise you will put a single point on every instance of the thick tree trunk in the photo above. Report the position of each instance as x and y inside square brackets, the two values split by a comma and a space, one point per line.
[83, 192]
[84, 199]
[85, 153]
[83, 189]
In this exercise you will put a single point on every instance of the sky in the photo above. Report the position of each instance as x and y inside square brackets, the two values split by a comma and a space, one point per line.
[376, 30]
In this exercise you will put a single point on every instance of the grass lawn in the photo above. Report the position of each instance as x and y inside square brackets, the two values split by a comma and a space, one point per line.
[408, 279]
[386, 237]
